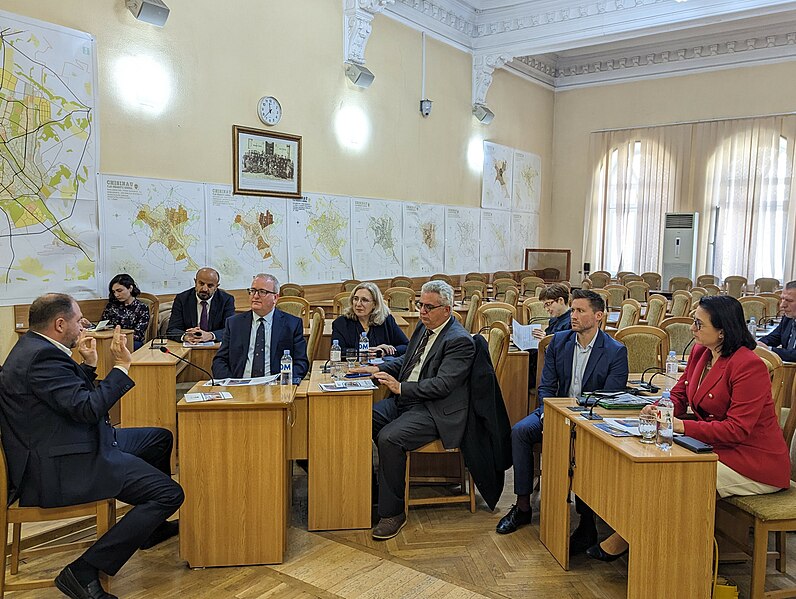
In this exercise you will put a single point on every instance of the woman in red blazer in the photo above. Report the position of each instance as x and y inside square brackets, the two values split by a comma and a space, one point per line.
[728, 390]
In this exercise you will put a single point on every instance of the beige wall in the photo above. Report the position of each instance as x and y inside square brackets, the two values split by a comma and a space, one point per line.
[738, 92]
[224, 57]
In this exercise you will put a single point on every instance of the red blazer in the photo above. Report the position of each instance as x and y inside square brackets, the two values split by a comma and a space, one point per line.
[735, 413]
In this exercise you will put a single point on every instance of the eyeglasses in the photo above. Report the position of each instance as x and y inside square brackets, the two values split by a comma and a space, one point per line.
[260, 292]
[361, 300]
[548, 303]
[426, 307]
[698, 324]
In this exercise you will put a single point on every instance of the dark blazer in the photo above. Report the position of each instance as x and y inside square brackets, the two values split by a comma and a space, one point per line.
[606, 368]
[347, 331]
[58, 440]
[183, 312]
[778, 338]
[486, 445]
[734, 412]
[287, 332]
[562, 323]
[444, 385]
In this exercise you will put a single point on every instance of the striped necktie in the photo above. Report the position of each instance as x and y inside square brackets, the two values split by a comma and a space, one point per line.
[410, 366]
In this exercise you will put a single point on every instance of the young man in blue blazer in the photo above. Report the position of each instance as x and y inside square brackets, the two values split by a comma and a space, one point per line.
[576, 361]
[254, 342]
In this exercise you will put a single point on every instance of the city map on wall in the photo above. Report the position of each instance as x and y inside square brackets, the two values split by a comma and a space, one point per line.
[496, 185]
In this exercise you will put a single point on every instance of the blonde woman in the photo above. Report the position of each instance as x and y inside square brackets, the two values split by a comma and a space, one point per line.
[368, 313]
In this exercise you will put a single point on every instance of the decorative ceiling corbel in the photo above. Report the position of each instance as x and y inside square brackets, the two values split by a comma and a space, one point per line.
[483, 67]
[357, 15]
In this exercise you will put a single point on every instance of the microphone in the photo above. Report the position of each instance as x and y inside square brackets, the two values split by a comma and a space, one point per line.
[160, 340]
[166, 350]
[592, 415]
[654, 389]
[685, 349]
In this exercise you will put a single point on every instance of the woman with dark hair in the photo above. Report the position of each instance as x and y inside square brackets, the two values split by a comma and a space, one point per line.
[729, 391]
[125, 310]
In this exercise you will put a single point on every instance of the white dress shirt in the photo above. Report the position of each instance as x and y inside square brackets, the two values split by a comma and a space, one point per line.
[268, 322]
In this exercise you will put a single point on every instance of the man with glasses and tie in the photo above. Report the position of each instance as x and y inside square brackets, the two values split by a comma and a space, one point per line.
[253, 342]
[782, 340]
[198, 315]
[429, 399]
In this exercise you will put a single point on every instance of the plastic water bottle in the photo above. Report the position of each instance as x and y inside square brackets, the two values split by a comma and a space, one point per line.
[753, 327]
[665, 419]
[364, 348]
[286, 369]
[672, 366]
[335, 358]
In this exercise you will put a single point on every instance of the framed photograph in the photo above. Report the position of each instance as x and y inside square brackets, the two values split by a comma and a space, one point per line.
[265, 163]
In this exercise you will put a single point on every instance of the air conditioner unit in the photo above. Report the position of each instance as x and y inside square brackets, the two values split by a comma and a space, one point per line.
[680, 246]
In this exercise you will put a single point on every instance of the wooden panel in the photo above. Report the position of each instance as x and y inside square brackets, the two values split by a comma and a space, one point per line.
[202, 356]
[514, 385]
[555, 512]
[91, 309]
[340, 459]
[234, 469]
[300, 430]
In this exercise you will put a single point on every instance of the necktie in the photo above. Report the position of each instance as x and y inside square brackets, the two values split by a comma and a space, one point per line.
[203, 317]
[792, 342]
[258, 361]
[417, 355]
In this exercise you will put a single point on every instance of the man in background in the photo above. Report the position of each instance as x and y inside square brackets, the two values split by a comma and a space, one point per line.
[199, 314]
[782, 340]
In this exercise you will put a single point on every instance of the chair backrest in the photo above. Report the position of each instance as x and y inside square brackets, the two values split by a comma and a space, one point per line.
[711, 289]
[753, 306]
[616, 295]
[512, 295]
[349, 285]
[164, 314]
[499, 286]
[630, 278]
[638, 290]
[493, 312]
[297, 306]
[681, 304]
[678, 329]
[151, 302]
[623, 273]
[543, 343]
[599, 279]
[653, 279]
[534, 311]
[470, 319]
[458, 317]
[340, 302]
[677, 283]
[525, 273]
[776, 372]
[646, 346]
[629, 314]
[473, 286]
[766, 285]
[401, 282]
[696, 293]
[586, 284]
[400, 298]
[531, 284]
[703, 280]
[551, 273]
[476, 276]
[499, 338]
[656, 309]
[502, 274]
[604, 293]
[291, 290]
[771, 300]
[316, 332]
[442, 277]
[734, 285]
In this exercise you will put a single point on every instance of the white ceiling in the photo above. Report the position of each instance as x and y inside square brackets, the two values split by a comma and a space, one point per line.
[572, 43]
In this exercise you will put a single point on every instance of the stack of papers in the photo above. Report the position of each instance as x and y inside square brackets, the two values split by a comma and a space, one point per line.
[260, 380]
[356, 385]
[522, 335]
[194, 397]
[625, 401]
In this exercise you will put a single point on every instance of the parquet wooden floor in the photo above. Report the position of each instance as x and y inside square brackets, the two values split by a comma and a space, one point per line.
[443, 552]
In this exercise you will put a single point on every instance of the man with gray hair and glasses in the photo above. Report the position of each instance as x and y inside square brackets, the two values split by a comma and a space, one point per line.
[782, 340]
[429, 397]
[253, 342]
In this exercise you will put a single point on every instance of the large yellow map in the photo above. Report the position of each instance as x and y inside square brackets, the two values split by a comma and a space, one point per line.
[48, 199]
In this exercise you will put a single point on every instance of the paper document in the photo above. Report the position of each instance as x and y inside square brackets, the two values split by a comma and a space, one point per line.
[522, 335]
[260, 380]
[199, 344]
[628, 425]
[357, 385]
[194, 397]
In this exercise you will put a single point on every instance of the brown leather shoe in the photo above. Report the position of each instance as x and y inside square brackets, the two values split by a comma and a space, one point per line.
[387, 528]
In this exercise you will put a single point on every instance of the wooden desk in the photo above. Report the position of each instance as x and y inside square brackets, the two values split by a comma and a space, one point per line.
[235, 469]
[662, 503]
[340, 426]
[325, 344]
[153, 399]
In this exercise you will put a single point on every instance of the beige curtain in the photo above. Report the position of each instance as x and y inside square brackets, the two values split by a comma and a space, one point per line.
[734, 173]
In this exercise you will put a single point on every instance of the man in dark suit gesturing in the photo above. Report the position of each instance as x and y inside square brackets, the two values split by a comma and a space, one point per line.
[253, 342]
[430, 395]
[782, 340]
[62, 450]
[199, 314]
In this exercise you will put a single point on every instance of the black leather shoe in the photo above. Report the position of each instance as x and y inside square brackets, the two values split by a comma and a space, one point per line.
[163, 532]
[513, 520]
[597, 552]
[71, 587]
[585, 536]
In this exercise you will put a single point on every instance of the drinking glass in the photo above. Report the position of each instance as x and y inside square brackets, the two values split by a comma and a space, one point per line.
[647, 427]
[351, 358]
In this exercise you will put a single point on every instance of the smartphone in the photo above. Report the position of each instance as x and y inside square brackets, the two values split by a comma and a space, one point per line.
[693, 444]
[357, 375]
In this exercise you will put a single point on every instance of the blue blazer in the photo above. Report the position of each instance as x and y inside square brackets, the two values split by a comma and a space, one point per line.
[779, 337]
[347, 332]
[606, 369]
[58, 439]
[183, 312]
[287, 332]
